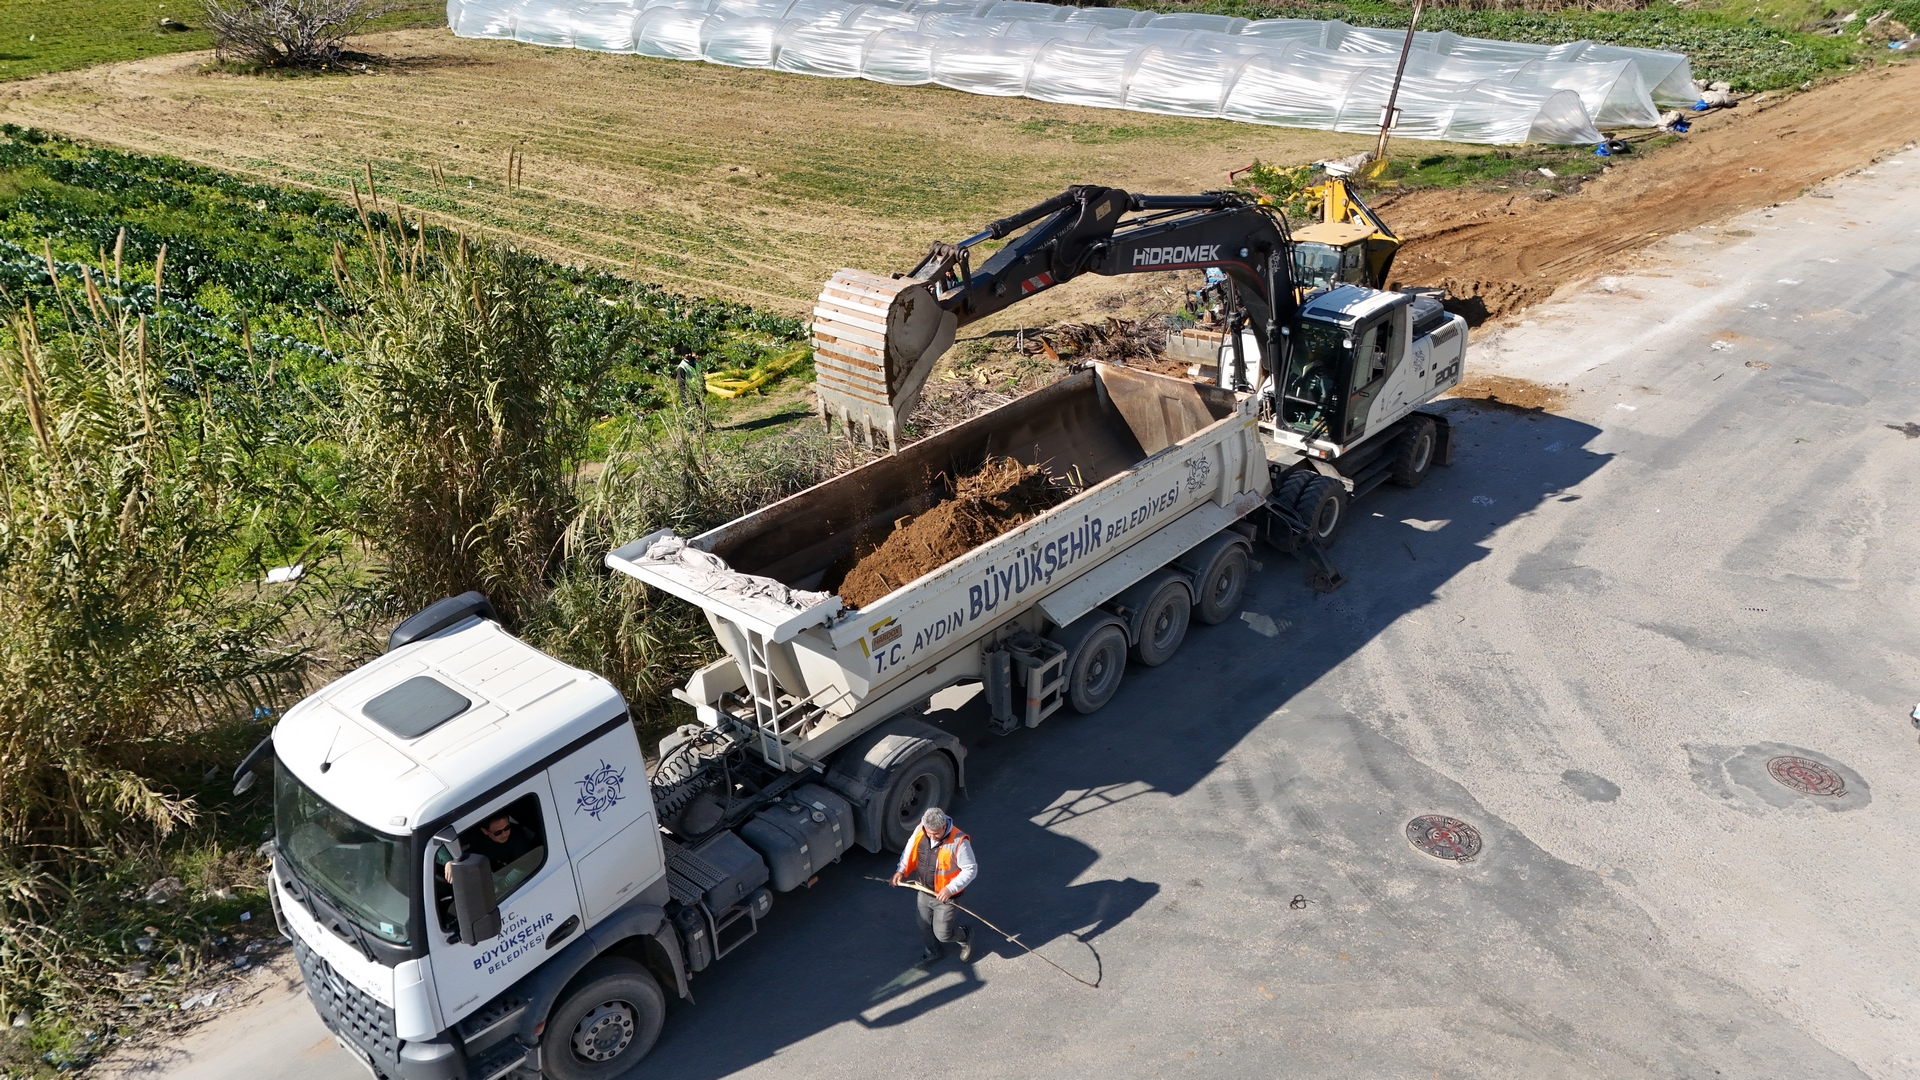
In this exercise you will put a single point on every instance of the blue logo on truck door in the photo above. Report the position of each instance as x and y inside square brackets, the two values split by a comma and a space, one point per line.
[600, 790]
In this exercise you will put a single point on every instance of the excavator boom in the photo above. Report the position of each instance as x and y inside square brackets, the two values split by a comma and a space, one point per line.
[876, 338]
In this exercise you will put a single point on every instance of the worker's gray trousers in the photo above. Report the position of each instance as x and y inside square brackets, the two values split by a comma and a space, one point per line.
[936, 921]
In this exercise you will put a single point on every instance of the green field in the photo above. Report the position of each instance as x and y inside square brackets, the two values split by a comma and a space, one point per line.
[42, 36]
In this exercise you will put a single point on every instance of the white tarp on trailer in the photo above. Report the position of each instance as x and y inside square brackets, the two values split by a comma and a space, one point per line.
[1287, 72]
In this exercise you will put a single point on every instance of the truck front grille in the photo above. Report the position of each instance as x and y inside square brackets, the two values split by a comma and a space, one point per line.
[350, 1011]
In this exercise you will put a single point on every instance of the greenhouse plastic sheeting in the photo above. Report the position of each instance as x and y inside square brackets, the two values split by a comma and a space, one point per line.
[1667, 75]
[1289, 72]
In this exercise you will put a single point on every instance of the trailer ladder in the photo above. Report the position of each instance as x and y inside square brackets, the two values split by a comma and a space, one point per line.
[775, 724]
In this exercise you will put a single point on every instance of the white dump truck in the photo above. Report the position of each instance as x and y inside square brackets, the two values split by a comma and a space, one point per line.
[483, 876]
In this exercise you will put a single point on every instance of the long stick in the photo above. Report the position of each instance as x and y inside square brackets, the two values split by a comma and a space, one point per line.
[1393, 95]
[917, 887]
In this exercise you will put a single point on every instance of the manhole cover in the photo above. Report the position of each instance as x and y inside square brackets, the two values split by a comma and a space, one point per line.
[1444, 837]
[1806, 776]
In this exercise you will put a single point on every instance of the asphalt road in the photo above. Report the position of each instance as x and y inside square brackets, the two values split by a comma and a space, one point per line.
[1588, 639]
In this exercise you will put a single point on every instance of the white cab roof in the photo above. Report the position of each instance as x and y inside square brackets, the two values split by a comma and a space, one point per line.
[525, 706]
[1349, 304]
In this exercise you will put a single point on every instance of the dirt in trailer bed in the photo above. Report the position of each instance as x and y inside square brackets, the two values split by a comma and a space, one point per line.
[1002, 495]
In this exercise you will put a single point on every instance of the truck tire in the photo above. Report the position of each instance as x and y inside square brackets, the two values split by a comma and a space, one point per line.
[926, 781]
[1162, 623]
[1095, 662]
[1220, 578]
[1323, 506]
[1414, 456]
[605, 1024]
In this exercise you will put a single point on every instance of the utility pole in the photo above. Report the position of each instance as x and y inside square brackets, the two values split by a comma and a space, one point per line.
[1393, 95]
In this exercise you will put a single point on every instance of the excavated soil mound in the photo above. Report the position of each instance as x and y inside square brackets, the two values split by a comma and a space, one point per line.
[1500, 253]
[1001, 495]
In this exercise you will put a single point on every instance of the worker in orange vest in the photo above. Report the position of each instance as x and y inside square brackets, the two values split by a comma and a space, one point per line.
[939, 857]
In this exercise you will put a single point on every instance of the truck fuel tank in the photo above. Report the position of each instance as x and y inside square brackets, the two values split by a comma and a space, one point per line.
[801, 833]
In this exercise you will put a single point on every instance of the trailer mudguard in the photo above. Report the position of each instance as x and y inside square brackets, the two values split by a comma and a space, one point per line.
[864, 769]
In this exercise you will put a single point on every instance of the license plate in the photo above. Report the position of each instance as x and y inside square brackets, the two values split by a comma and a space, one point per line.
[358, 1055]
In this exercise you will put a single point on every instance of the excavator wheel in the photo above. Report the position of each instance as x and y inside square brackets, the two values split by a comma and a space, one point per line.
[1413, 458]
[1322, 504]
[1287, 491]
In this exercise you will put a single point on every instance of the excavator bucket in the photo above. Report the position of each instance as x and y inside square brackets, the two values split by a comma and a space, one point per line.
[875, 339]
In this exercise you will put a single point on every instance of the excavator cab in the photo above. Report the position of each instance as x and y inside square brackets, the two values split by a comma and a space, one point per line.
[1348, 342]
[1349, 245]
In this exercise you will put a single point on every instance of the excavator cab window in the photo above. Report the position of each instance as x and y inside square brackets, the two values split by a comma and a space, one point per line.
[1314, 389]
[1316, 266]
[1323, 266]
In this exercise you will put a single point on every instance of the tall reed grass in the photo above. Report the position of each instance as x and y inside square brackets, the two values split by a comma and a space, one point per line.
[130, 549]
[463, 423]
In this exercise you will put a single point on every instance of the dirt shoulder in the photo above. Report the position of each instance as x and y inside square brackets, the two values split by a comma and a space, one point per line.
[1514, 249]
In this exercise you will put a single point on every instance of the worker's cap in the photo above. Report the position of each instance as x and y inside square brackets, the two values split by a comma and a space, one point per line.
[934, 821]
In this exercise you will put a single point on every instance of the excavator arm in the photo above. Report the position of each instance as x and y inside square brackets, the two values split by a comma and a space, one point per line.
[876, 338]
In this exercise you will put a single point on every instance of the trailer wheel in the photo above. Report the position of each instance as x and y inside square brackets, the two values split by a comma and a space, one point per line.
[925, 781]
[606, 1024]
[1414, 457]
[1323, 506]
[1094, 666]
[1220, 584]
[1163, 622]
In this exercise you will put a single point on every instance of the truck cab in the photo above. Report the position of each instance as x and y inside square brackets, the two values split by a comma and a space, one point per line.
[387, 776]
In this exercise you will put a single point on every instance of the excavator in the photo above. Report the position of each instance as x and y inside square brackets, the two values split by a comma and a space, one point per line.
[1341, 365]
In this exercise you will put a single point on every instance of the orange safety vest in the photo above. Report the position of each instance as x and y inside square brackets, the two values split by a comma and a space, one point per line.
[945, 869]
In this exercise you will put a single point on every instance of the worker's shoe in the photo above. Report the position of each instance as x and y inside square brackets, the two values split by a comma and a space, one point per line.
[965, 934]
[931, 955]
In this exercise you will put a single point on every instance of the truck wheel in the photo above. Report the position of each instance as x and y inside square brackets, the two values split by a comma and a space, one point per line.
[1415, 454]
[1163, 622]
[1094, 667]
[1323, 506]
[1219, 585]
[605, 1025]
[926, 781]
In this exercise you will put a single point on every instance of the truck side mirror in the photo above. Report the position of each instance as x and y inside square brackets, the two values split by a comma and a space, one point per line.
[474, 905]
[244, 775]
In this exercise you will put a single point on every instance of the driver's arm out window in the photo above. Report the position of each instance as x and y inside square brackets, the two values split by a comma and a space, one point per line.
[515, 860]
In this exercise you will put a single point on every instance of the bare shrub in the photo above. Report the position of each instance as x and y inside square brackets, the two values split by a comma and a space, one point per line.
[286, 33]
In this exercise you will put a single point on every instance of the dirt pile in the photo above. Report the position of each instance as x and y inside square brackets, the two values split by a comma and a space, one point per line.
[1001, 495]
[1502, 252]
[1514, 393]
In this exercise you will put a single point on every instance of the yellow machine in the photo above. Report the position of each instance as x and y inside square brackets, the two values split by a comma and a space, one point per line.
[1348, 245]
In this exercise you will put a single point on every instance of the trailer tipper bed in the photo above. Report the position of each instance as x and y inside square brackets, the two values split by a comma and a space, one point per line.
[1168, 467]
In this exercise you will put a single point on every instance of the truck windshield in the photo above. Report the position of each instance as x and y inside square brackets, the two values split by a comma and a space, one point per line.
[365, 874]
